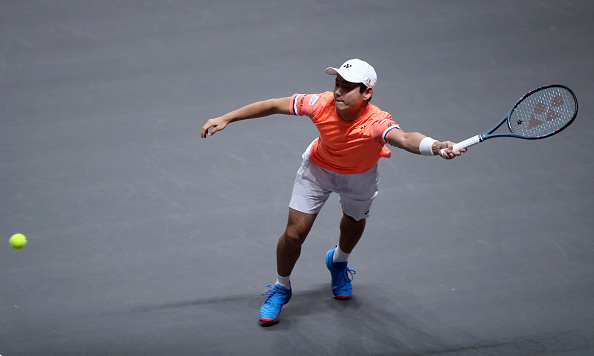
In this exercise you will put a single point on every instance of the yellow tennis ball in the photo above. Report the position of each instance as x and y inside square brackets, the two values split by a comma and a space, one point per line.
[18, 241]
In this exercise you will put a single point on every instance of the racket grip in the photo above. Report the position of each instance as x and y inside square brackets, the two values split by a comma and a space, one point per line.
[466, 143]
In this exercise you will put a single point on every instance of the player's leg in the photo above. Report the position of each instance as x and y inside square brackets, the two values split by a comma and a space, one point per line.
[307, 200]
[351, 231]
[288, 251]
[311, 190]
[356, 198]
[289, 244]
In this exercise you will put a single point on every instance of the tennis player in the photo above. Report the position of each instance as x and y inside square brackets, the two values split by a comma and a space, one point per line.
[343, 160]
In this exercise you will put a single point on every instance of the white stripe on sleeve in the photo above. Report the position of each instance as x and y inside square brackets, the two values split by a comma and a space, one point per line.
[387, 131]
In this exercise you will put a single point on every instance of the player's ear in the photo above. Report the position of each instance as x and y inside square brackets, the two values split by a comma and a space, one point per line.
[368, 93]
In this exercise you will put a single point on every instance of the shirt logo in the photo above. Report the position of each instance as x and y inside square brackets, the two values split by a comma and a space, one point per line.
[302, 98]
[313, 99]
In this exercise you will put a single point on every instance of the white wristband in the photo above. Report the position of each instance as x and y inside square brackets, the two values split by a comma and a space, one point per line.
[426, 146]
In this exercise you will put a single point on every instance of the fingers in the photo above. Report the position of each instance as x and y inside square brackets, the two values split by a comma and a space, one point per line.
[205, 128]
[214, 125]
[448, 150]
[204, 131]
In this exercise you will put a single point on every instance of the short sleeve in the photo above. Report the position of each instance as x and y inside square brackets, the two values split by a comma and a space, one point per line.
[305, 104]
[381, 128]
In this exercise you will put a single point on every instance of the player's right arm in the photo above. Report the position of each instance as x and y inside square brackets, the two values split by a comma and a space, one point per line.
[250, 111]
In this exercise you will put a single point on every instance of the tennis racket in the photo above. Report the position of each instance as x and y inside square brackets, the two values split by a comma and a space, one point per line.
[540, 113]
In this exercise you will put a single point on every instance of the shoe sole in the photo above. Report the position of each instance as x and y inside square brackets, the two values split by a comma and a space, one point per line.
[268, 320]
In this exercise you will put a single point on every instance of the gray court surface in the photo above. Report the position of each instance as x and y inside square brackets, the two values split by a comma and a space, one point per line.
[145, 239]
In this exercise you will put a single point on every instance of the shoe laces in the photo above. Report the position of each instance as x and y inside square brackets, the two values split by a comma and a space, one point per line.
[349, 274]
[269, 292]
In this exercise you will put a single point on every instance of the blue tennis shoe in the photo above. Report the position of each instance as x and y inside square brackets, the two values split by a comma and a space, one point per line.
[341, 277]
[277, 297]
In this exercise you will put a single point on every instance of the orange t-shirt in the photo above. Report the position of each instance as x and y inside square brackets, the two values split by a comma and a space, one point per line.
[344, 147]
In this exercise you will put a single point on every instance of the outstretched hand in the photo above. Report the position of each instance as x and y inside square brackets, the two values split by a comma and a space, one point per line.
[449, 153]
[216, 124]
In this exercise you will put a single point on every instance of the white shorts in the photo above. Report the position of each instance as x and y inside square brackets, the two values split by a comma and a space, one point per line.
[314, 184]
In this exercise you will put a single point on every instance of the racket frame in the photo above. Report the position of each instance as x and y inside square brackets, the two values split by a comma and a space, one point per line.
[489, 134]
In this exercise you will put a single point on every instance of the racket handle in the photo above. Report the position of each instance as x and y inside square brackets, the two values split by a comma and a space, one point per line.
[466, 143]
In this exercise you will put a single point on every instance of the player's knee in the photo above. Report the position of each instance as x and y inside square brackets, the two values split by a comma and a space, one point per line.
[294, 236]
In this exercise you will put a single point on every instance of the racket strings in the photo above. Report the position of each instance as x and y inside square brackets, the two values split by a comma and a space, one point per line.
[543, 112]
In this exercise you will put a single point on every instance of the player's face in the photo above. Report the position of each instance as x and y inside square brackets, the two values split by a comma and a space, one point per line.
[348, 95]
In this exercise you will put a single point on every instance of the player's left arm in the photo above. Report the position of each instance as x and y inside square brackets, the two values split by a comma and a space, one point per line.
[411, 142]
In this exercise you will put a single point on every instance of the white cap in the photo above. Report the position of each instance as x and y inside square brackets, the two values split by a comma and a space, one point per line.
[355, 71]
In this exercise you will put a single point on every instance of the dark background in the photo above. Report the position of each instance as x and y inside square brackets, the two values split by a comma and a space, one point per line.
[146, 240]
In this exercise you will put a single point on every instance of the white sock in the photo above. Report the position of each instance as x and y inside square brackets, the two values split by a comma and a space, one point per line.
[284, 281]
[339, 255]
